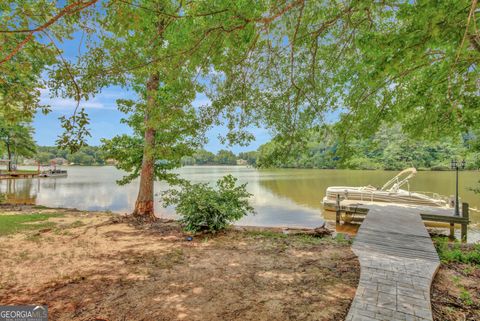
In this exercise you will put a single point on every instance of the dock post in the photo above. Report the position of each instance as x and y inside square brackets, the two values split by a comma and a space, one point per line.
[337, 209]
[466, 218]
[452, 230]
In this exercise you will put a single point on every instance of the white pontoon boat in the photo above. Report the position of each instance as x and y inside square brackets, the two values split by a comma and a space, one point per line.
[390, 192]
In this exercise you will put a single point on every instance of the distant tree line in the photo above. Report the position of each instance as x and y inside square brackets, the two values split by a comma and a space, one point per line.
[222, 157]
[87, 155]
[95, 155]
[388, 149]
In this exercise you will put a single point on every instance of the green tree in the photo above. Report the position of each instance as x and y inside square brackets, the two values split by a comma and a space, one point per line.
[225, 157]
[187, 161]
[162, 49]
[30, 32]
[204, 157]
[44, 157]
[81, 158]
[250, 157]
[389, 148]
[17, 139]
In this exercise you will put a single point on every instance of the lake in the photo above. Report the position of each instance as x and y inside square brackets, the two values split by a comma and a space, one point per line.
[282, 197]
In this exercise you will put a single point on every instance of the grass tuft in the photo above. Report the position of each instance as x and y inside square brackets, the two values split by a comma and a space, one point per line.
[457, 253]
[11, 224]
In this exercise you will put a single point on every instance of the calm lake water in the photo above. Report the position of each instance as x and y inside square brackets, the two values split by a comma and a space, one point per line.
[282, 197]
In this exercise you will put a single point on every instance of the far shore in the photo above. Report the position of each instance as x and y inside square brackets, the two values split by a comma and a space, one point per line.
[446, 169]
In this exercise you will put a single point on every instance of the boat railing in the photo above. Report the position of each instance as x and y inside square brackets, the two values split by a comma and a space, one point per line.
[432, 195]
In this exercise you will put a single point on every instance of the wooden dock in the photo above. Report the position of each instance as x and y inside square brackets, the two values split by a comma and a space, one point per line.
[397, 258]
[13, 175]
[398, 262]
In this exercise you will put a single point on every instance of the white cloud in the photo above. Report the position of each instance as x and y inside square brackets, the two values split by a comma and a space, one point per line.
[62, 104]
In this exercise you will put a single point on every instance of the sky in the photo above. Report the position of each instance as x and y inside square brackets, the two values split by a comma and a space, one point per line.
[105, 120]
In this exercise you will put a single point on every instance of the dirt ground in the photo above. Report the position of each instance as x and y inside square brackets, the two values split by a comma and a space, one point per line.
[456, 293]
[94, 266]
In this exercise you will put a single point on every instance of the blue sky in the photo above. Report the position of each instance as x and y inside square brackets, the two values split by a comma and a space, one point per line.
[105, 120]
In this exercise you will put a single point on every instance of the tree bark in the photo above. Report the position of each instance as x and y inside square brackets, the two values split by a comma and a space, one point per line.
[144, 207]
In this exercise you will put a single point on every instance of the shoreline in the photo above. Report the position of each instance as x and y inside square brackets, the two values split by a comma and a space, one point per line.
[74, 261]
[87, 265]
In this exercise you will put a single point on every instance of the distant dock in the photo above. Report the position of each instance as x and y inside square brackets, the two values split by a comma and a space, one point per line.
[397, 258]
[19, 174]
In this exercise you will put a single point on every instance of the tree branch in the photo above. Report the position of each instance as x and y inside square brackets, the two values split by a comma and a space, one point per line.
[67, 10]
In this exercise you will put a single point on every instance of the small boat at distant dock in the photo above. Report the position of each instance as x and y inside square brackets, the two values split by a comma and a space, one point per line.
[390, 192]
[53, 172]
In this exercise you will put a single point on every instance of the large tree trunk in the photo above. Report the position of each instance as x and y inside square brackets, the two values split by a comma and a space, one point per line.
[144, 209]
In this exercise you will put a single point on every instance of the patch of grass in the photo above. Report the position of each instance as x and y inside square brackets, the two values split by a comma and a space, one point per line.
[301, 238]
[305, 239]
[465, 296]
[342, 239]
[266, 234]
[469, 269]
[76, 224]
[457, 253]
[10, 224]
[308, 239]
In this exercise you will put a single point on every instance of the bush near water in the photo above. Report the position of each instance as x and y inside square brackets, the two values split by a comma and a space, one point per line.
[204, 208]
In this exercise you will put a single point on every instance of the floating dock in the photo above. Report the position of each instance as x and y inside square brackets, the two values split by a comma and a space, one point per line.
[398, 260]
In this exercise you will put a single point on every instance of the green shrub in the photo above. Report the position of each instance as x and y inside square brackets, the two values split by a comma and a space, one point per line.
[455, 252]
[10, 224]
[204, 208]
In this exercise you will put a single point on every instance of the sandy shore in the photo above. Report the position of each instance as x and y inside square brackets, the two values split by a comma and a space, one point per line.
[96, 266]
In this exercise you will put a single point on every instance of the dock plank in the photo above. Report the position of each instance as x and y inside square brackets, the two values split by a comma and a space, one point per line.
[398, 262]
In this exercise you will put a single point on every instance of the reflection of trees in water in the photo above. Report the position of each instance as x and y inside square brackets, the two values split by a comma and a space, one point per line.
[308, 192]
[49, 183]
[20, 191]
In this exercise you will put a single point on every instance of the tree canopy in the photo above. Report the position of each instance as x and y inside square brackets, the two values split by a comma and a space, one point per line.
[285, 65]
[288, 63]
[17, 140]
[389, 148]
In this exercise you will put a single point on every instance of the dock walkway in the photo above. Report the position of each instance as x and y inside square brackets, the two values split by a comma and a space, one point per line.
[398, 262]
